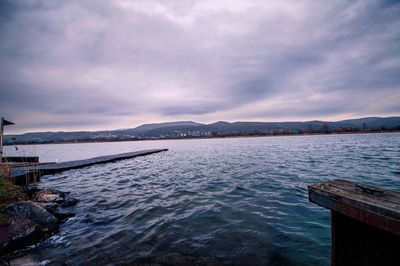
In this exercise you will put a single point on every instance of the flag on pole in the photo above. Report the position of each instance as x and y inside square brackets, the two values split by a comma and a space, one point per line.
[7, 123]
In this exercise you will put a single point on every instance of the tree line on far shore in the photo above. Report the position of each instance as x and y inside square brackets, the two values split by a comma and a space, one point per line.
[324, 129]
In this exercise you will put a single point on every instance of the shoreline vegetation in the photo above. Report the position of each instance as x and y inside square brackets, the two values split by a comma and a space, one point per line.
[215, 135]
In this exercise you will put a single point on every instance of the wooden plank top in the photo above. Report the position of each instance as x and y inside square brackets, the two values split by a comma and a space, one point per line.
[53, 168]
[374, 206]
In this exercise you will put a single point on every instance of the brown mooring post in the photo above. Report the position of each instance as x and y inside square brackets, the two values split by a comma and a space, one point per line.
[365, 222]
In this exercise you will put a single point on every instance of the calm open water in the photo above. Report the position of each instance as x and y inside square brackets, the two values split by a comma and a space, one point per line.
[215, 201]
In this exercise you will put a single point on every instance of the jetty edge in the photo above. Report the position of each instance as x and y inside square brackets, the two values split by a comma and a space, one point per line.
[365, 222]
[21, 174]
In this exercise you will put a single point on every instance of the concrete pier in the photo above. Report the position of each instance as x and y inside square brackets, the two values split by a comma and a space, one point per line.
[23, 174]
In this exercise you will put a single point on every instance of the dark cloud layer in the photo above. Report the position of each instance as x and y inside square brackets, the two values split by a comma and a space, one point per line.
[94, 65]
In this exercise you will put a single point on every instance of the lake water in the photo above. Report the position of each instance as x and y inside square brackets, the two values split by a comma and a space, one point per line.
[237, 201]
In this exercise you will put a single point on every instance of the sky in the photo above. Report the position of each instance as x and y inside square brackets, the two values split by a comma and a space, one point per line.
[96, 65]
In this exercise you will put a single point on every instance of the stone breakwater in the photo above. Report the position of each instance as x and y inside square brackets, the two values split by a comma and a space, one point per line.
[25, 222]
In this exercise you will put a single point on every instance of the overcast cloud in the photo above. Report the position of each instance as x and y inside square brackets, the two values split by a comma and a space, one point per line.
[88, 65]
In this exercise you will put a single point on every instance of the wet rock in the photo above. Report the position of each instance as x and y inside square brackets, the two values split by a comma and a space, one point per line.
[63, 215]
[17, 230]
[32, 190]
[30, 210]
[25, 261]
[69, 201]
[60, 193]
[47, 196]
[49, 206]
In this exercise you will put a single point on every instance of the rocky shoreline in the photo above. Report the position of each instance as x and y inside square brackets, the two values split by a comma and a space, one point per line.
[32, 218]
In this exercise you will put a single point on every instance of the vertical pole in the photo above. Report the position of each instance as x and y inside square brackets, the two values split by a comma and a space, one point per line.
[1, 139]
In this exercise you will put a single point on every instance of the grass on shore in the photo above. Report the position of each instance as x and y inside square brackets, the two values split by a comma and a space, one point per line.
[9, 193]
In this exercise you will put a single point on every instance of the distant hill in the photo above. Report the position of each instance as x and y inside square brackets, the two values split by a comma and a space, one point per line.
[360, 121]
[147, 127]
[373, 122]
[192, 129]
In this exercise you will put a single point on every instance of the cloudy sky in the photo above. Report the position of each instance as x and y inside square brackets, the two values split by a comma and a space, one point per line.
[88, 65]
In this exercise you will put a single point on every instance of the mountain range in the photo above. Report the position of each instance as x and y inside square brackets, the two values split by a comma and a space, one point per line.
[180, 129]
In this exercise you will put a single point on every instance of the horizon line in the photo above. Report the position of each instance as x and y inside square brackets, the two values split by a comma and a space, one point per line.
[227, 121]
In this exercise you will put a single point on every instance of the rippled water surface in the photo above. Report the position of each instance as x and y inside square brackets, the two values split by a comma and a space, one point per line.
[214, 201]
